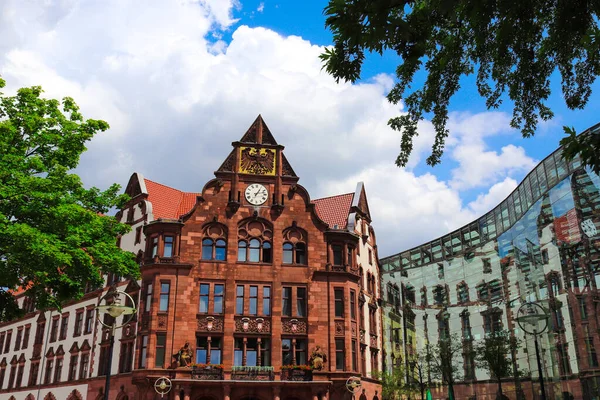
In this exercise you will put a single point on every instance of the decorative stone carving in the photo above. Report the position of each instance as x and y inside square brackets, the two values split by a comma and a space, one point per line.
[209, 324]
[257, 161]
[252, 325]
[162, 321]
[145, 321]
[373, 342]
[318, 358]
[229, 163]
[339, 328]
[286, 168]
[362, 336]
[353, 328]
[294, 326]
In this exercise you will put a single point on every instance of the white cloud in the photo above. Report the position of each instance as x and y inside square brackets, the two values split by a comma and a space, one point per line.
[176, 96]
[495, 195]
[261, 7]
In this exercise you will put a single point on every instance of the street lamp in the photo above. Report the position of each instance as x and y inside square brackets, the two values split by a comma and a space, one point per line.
[533, 319]
[113, 306]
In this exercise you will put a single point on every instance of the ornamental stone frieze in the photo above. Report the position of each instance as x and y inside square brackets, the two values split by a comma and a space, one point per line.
[208, 323]
[339, 328]
[354, 329]
[294, 325]
[162, 321]
[252, 325]
[373, 342]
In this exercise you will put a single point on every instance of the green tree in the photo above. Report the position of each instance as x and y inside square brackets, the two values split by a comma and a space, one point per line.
[513, 47]
[418, 365]
[54, 238]
[393, 383]
[441, 361]
[493, 354]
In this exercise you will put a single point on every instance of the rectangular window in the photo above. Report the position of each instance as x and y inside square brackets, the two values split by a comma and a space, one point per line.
[54, 330]
[148, 303]
[126, 357]
[204, 292]
[301, 302]
[20, 375]
[218, 298]
[161, 341]
[287, 302]
[49, 368]
[18, 339]
[563, 358]
[349, 256]
[354, 359]
[138, 235]
[165, 288]
[168, 250]
[26, 337]
[58, 370]
[591, 352]
[239, 300]
[267, 300]
[253, 300]
[73, 367]
[238, 352]
[83, 369]
[201, 349]
[154, 246]
[64, 326]
[33, 374]
[301, 358]
[582, 308]
[340, 358]
[1, 344]
[143, 351]
[370, 257]
[337, 254]
[339, 303]
[89, 320]
[215, 350]
[353, 306]
[78, 323]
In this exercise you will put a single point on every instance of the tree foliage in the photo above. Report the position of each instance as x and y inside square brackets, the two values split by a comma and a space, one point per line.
[512, 47]
[493, 354]
[442, 360]
[54, 238]
[393, 384]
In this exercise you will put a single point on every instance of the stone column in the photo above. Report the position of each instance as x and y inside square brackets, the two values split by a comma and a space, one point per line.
[177, 396]
[187, 392]
[226, 392]
[276, 391]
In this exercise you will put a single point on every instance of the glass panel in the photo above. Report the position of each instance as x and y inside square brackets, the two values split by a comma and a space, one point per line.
[436, 249]
[535, 187]
[207, 246]
[168, 251]
[266, 252]
[266, 300]
[561, 165]
[218, 300]
[241, 250]
[204, 290]
[287, 253]
[301, 301]
[221, 250]
[254, 251]
[550, 168]
[300, 253]
[542, 183]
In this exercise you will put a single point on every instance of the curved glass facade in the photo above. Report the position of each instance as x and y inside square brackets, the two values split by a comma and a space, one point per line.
[541, 244]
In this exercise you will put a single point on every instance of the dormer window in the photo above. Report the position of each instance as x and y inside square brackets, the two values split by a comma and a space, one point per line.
[154, 246]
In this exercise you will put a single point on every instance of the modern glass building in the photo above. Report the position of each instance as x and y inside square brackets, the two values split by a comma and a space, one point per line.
[541, 244]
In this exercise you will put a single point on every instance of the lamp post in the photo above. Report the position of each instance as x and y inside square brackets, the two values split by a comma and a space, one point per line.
[533, 319]
[113, 306]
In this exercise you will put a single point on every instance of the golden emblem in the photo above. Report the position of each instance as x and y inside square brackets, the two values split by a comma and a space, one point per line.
[257, 161]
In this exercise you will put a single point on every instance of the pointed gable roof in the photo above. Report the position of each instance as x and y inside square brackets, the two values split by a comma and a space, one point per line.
[334, 210]
[360, 200]
[258, 133]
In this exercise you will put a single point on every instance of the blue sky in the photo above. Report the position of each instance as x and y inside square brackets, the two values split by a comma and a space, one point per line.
[178, 81]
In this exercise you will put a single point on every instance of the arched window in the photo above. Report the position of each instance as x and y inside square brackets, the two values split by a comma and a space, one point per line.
[254, 242]
[214, 244]
[294, 245]
[462, 293]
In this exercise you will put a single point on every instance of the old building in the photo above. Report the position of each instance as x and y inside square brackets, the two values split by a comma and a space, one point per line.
[256, 278]
[541, 244]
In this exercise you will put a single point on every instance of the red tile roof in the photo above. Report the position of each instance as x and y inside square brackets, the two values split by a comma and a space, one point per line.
[334, 210]
[168, 202]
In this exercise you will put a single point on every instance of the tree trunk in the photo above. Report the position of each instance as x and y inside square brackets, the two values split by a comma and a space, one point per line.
[500, 394]
[451, 392]
[422, 392]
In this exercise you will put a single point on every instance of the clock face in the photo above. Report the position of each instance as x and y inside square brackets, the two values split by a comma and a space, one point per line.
[256, 194]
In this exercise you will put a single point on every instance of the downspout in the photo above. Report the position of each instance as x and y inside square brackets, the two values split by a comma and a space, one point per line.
[174, 312]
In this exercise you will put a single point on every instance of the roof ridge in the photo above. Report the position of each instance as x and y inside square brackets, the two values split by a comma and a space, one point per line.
[162, 184]
[335, 195]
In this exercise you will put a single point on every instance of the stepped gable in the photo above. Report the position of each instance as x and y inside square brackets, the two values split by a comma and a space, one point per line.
[334, 210]
[168, 202]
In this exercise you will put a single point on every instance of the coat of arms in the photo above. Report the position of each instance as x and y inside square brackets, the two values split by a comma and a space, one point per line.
[257, 161]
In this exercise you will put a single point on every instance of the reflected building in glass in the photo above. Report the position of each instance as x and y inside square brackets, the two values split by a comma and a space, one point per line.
[541, 244]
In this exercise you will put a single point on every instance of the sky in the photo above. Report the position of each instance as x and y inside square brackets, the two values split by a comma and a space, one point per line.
[179, 80]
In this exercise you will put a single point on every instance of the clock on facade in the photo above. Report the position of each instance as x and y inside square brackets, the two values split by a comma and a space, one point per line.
[256, 194]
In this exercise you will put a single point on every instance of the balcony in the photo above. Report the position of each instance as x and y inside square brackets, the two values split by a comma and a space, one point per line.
[246, 373]
[298, 373]
[207, 372]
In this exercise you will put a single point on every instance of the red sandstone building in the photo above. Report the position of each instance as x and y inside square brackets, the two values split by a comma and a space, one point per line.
[253, 274]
